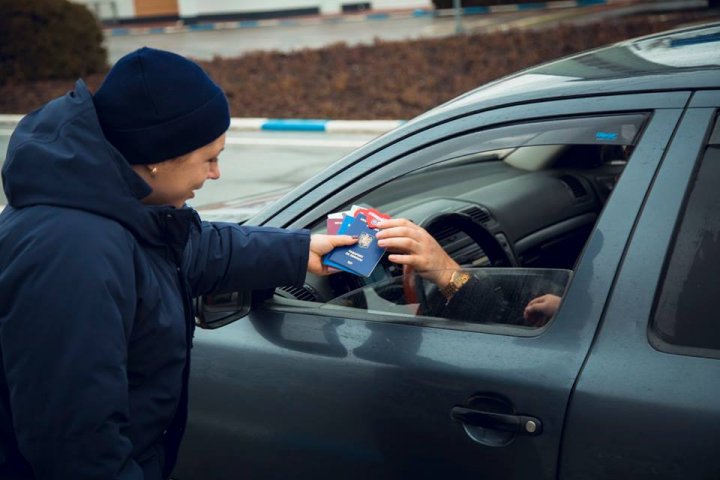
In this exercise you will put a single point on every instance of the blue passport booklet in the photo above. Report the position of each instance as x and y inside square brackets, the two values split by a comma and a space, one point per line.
[360, 258]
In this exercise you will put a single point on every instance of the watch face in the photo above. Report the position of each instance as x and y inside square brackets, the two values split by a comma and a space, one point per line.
[460, 279]
[457, 280]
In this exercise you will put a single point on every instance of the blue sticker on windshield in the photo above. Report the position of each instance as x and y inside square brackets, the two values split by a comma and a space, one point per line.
[606, 136]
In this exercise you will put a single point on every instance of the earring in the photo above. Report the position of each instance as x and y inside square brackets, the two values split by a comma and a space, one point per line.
[153, 171]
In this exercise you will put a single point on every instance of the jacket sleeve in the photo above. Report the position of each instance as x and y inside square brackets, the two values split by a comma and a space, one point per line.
[478, 301]
[65, 325]
[227, 257]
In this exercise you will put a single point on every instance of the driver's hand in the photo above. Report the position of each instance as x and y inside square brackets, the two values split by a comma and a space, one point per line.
[541, 309]
[321, 245]
[410, 244]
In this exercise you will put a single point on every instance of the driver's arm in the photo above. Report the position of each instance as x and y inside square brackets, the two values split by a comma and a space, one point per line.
[410, 244]
[470, 298]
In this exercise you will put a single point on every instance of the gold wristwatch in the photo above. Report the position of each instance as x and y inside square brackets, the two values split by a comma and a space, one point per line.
[457, 280]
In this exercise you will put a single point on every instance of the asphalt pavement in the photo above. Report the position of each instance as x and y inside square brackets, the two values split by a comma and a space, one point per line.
[258, 162]
[228, 43]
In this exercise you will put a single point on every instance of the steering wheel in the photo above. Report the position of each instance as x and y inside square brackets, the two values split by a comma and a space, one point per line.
[483, 238]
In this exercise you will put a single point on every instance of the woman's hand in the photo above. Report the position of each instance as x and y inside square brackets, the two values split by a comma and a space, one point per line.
[411, 245]
[541, 309]
[321, 245]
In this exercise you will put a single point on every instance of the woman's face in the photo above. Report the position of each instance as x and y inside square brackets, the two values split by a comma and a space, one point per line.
[174, 181]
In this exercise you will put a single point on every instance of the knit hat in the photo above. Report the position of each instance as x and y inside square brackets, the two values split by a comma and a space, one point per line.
[155, 105]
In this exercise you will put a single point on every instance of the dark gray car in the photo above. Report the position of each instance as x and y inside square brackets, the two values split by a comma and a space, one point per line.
[594, 178]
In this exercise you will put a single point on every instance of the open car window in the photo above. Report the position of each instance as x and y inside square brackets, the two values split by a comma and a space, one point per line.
[510, 164]
[535, 188]
[519, 297]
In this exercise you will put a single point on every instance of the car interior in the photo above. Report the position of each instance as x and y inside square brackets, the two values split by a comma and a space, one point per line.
[506, 214]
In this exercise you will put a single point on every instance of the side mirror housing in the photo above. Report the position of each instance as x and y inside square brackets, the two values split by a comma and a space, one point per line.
[219, 309]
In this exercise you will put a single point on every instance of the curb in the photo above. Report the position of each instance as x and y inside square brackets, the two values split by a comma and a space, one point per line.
[313, 125]
[10, 120]
[281, 125]
[274, 22]
[521, 7]
[352, 18]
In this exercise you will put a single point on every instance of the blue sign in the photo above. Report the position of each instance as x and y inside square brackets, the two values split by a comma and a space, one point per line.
[606, 136]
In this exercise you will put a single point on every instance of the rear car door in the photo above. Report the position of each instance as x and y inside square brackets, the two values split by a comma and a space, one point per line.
[646, 403]
[298, 392]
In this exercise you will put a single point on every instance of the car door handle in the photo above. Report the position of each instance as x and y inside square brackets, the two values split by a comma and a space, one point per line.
[522, 424]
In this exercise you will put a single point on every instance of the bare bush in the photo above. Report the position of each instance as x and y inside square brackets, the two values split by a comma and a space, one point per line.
[386, 80]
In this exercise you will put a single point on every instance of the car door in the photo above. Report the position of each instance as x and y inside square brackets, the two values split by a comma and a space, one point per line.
[307, 392]
[646, 403]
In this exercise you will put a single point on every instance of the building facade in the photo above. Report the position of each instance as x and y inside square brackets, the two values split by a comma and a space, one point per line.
[197, 10]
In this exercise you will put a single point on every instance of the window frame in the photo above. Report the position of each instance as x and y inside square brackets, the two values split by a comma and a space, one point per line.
[338, 183]
[332, 191]
[427, 157]
[658, 340]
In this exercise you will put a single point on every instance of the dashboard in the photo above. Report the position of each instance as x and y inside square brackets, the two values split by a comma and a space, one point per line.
[541, 219]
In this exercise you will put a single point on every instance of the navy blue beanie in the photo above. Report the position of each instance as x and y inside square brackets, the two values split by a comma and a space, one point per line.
[155, 105]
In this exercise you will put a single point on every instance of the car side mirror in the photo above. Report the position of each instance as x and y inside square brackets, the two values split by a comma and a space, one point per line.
[218, 309]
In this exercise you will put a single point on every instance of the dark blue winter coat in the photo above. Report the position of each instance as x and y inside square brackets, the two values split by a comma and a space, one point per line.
[95, 302]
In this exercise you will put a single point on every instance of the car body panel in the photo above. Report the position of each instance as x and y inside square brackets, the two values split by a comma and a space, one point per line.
[638, 412]
[299, 390]
[332, 376]
[705, 98]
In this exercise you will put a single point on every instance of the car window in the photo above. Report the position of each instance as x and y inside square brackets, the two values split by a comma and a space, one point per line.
[491, 297]
[684, 319]
[537, 188]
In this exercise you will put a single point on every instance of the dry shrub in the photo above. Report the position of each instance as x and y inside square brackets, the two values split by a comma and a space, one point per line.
[48, 39]
[386, 80]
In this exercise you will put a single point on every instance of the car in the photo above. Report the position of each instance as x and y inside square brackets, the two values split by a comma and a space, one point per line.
[594, 178]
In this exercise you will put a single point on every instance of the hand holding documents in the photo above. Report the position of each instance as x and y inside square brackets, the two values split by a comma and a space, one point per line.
[362, 257]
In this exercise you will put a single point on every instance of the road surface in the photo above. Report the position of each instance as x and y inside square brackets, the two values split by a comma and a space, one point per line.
[258, 162]
[234, 42]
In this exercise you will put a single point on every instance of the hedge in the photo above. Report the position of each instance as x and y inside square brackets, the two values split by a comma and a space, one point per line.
[386, 80]
[48, 39]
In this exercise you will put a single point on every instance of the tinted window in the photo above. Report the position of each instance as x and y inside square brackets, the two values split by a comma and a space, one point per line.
[486, 158]
[536, 187]
[492, 297]
[686, 318]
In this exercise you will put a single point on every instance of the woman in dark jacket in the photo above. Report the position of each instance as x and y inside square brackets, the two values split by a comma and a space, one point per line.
[99, 261]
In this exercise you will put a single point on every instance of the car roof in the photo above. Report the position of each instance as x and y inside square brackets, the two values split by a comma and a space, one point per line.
[686, 58]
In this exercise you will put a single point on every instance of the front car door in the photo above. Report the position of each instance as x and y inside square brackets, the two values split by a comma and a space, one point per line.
[300, 390]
